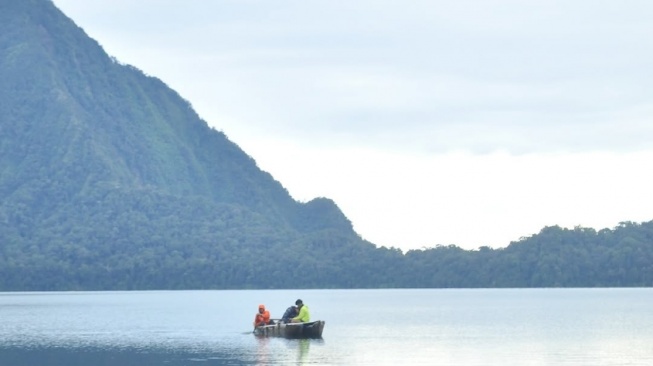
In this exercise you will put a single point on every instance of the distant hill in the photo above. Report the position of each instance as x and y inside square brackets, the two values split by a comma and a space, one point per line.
[110, 180]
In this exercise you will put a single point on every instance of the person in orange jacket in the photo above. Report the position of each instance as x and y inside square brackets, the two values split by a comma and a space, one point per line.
[262, 317]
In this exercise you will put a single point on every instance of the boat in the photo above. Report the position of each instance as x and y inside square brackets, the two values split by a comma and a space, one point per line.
[291, 330]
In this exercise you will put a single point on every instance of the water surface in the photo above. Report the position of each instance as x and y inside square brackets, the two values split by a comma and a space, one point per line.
[363, 327]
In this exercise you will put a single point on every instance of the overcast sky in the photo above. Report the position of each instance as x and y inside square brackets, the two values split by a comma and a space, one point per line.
[428, 122]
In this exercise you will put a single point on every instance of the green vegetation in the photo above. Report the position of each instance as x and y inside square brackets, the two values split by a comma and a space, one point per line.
[110, 180]
[555, 257]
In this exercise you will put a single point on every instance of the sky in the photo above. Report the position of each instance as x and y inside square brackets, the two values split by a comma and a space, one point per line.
[472, 123]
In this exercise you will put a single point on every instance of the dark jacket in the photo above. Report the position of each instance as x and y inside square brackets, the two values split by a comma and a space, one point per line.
[290, 313]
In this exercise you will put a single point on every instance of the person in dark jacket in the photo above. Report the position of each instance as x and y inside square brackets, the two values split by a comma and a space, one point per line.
[290, 313]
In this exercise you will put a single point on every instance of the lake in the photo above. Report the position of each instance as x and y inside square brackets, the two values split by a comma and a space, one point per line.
[363, 327]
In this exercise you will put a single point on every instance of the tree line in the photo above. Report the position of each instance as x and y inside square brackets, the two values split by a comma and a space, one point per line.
[126, 250]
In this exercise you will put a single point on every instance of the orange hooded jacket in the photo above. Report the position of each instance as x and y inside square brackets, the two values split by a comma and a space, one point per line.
[262, 317]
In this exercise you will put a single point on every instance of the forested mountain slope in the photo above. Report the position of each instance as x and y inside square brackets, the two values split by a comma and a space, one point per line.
[101, 164]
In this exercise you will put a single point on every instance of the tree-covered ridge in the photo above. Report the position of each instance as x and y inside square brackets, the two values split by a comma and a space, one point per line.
[103, 168]
[83, 121]
[555, 257]
[110, 180]
[213, 254]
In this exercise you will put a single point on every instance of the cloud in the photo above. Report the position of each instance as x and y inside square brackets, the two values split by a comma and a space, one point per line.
[436, 76]
[412, 200]
[469, 122]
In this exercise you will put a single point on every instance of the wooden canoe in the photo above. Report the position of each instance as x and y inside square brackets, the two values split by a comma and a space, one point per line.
[292, 330]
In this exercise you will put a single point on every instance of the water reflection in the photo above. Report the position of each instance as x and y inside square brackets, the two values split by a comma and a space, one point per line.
[284, 351]
[302, 354]
[243, 349]
[263, 351]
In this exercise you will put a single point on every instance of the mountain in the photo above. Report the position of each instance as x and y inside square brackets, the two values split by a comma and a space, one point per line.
[89, 121]
[100, 163]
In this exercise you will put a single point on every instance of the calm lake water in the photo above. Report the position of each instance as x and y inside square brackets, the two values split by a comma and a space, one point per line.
[363, 327]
